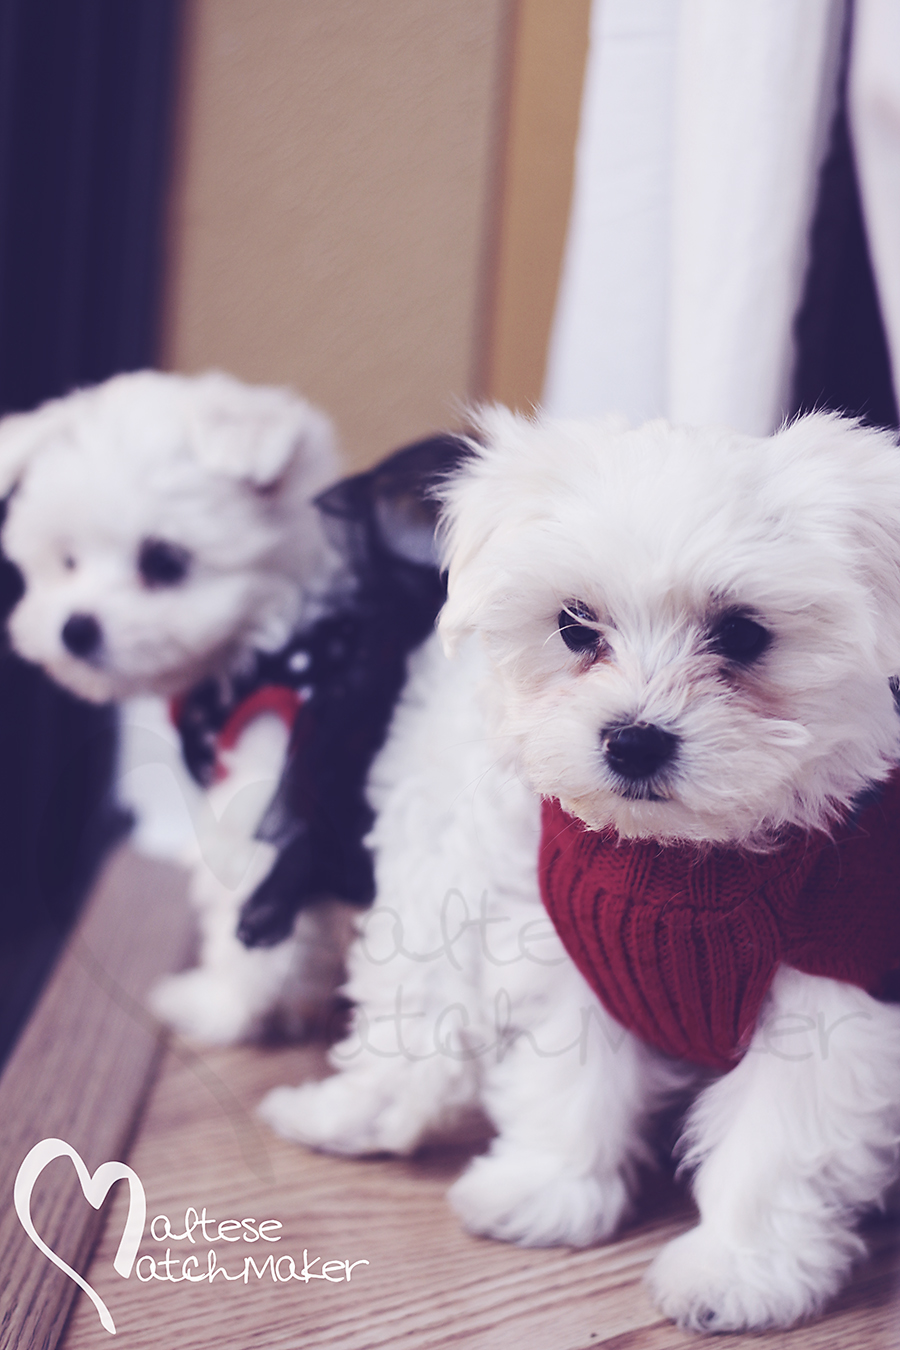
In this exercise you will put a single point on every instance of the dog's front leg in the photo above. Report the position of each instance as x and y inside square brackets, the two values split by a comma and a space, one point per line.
[791, 1146]
[569, 1092]
[228, 995]
[407, 1070]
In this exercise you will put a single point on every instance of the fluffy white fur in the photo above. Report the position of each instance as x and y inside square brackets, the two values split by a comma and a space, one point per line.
[224, 473]
[464, 996]
[221, 469]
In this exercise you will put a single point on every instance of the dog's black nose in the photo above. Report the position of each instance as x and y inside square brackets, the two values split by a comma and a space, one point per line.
[81, 634]
[638, 751]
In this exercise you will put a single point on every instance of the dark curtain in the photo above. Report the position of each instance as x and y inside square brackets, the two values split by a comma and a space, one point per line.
[842, 358]
[86, 102]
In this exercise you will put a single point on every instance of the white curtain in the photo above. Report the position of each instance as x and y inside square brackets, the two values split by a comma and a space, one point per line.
[874, 100]
[608, 349]
[704, 124]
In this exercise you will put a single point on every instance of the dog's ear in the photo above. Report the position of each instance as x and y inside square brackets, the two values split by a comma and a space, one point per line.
[257, 433]
[23, 435]
[501, 511]
[392, 509]
[846, 478]
[482, 501]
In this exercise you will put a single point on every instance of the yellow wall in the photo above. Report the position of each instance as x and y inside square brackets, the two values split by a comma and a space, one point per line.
[370, 201]
[329, 220]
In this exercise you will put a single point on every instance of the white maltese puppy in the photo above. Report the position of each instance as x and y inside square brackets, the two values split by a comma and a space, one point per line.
[165, 531]
[685, 642]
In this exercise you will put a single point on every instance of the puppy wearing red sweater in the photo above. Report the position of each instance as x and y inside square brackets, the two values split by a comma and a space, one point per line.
[667, 718]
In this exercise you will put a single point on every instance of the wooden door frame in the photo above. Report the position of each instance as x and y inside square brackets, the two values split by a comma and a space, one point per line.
[547, 52]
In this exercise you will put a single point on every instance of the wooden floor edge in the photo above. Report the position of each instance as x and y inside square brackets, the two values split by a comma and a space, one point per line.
[80, 1072]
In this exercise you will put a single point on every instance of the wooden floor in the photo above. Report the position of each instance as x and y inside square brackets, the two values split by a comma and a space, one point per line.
[427, 1283]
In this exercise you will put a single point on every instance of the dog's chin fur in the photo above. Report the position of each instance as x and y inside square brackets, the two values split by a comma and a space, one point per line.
[222, 471]
[759, 750]
[464, 996]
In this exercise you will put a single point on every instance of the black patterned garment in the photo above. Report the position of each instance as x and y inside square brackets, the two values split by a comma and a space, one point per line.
[336, 684]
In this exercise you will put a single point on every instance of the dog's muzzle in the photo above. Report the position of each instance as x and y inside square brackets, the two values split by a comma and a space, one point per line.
[637, 753]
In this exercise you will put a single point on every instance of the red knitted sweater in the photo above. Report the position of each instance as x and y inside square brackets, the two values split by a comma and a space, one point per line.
[681, 943]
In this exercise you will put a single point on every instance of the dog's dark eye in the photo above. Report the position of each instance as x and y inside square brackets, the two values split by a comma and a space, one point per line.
[739, 638]
[162, 564]
[577, 628]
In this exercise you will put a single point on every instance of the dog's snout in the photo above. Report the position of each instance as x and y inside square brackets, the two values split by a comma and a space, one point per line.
[81, 634]
[639, 750]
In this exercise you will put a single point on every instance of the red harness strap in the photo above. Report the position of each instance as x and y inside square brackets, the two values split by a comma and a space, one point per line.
[277, 699]
[681, 943]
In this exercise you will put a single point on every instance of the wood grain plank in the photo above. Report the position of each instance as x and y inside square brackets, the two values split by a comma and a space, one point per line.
[80, 1072]
[428, 1283]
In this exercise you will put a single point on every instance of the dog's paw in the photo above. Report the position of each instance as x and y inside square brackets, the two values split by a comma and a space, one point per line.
[535, 1200]
[338, 1115]
[707, 1284]
[204, 1008]
[382, 1109]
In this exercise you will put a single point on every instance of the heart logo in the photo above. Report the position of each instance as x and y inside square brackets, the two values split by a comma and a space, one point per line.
[96, 1189]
